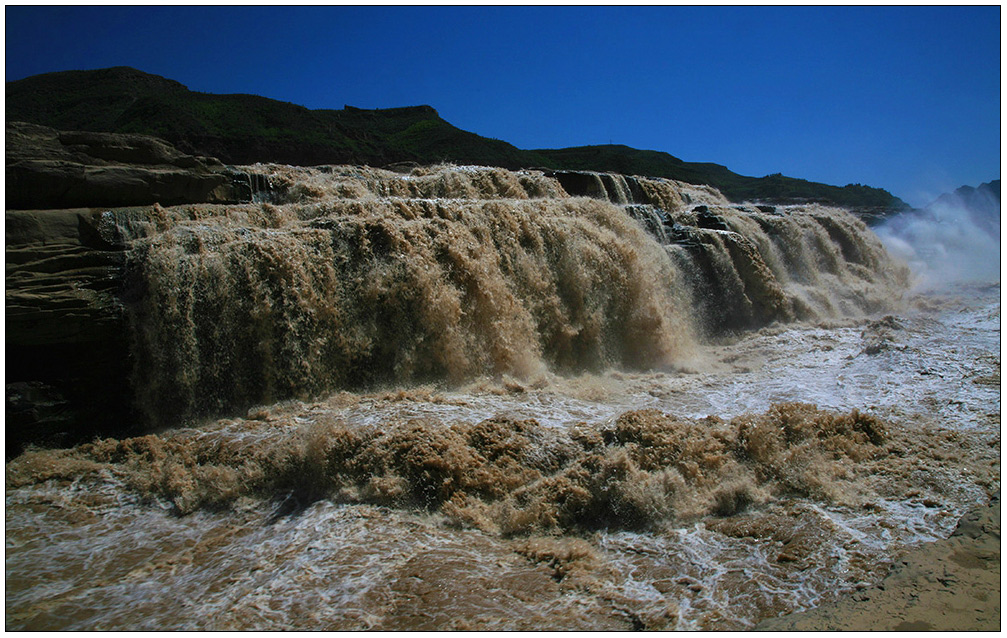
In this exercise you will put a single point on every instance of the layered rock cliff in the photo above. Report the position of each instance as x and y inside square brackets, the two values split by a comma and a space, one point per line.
[67, 359]
[46, 169]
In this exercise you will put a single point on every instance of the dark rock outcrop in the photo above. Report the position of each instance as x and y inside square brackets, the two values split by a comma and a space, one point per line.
[47, 169]
[612, 187]
[66, 346]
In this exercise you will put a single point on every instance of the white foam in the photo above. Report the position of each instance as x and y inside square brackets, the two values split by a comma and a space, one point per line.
[92, 554]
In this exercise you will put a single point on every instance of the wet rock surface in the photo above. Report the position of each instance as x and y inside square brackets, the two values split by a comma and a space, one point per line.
[950, 585]
[69, 194]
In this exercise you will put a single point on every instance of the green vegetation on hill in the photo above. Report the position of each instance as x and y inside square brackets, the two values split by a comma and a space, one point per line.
[244, 129]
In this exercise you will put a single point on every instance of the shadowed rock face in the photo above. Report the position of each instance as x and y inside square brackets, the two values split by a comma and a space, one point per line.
[46, 168]
[66, 351]
[66, 355]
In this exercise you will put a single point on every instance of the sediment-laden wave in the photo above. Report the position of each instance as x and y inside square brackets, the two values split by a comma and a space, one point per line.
[397, 291]
[349, 277]
[500, 475]
[581, 503]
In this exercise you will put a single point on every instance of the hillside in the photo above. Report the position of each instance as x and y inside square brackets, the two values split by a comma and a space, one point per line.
[244, 129]
[776, 188]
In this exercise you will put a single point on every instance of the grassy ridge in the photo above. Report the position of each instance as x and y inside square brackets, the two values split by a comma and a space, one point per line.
[244, 129]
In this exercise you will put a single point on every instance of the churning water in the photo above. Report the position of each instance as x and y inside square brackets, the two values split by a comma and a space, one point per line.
[462, 398]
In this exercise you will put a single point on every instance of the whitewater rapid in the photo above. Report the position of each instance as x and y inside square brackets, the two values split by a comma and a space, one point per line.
[90, 553]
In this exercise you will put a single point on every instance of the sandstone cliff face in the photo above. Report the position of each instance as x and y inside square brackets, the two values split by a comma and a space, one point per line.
[46, 168]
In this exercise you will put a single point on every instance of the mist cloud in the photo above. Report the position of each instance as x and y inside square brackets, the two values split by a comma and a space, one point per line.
[951, 242]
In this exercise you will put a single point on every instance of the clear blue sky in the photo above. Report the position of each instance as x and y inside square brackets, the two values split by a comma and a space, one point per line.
[904, 98]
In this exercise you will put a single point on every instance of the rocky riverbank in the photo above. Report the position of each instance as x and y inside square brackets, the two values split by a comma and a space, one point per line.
[950, 585]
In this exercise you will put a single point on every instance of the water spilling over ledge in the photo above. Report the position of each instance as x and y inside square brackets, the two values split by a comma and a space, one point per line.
[351, 277]
[591, 502]
[469, 398]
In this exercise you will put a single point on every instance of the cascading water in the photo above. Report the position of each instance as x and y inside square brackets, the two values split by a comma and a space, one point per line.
[471, 398]
[365, 278]
[352, 293]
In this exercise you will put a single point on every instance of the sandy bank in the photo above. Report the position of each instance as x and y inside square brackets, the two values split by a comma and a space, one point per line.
[951, 585]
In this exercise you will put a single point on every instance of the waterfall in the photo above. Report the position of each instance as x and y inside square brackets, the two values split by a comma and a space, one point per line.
[355, 277]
